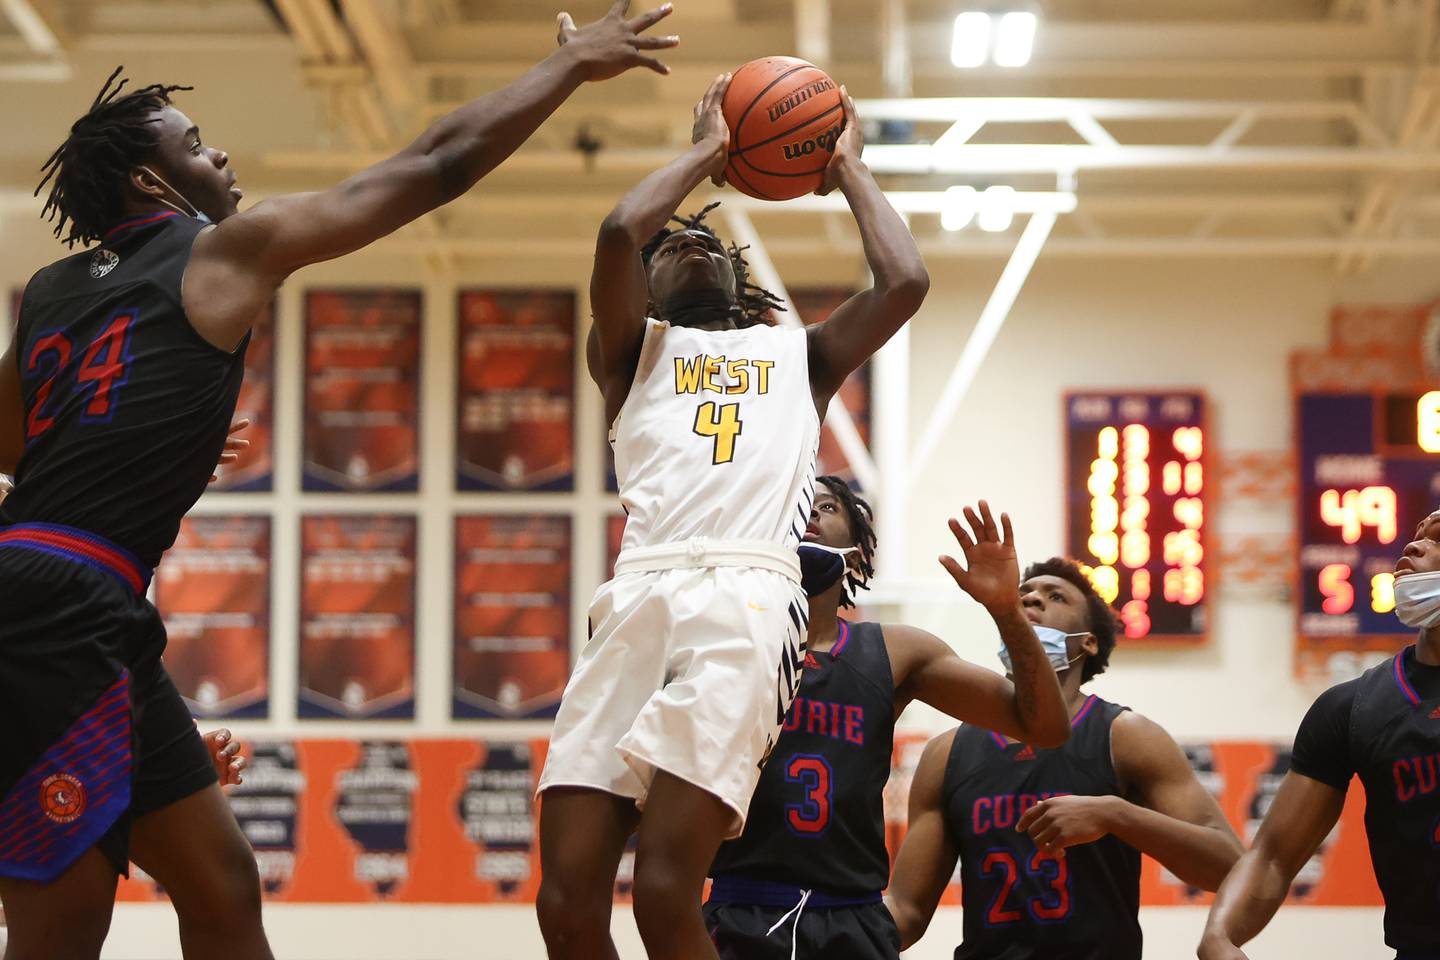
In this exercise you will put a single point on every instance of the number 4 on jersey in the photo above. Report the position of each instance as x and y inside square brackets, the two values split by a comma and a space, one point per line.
[721, 422]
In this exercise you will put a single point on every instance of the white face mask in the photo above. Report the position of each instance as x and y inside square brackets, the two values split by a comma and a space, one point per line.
[1417, 599]
[194, 211]
[1055, 646]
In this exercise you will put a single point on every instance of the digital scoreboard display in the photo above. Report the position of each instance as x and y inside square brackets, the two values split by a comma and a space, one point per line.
[1137, 496]
[1369, 473]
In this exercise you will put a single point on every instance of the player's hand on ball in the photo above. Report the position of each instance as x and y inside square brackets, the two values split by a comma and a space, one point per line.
[848, 146]
[993, 577]
[710, 125]
[611, 45]
[234, 446]
[1062, 822]
[225, 753]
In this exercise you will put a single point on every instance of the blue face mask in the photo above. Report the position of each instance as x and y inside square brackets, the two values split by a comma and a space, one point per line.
[1053, 642]
[821, 567]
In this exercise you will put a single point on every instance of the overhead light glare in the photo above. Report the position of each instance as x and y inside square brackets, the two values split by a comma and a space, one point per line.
[997, 209]
[971, 45]
[1015, 39]
[957, 208]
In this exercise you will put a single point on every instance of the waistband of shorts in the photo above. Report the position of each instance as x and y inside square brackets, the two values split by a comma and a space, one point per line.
[703, 552]
[81, 547]
[781, 896]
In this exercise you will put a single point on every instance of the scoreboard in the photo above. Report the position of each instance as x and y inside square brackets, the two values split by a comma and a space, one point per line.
[1369, 473]
[1137, 498]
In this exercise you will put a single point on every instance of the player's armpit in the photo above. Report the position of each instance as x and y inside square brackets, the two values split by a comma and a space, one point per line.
[1302, 815]
[926, 860]
[1173, 817]
[12, 412]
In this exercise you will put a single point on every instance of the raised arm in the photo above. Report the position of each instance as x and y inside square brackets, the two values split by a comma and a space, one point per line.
[249, 254]
[861, 325]
[926, 860]
[1172, 817]
[1030, 708]
[618, 288]
[1301, 817]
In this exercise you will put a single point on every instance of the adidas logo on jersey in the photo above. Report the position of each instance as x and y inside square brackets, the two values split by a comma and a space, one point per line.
[812, 664]
[1028, 753]
[1435, 714]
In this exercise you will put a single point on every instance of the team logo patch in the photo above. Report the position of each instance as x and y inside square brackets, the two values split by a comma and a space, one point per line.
[62, 797]
[102, 261]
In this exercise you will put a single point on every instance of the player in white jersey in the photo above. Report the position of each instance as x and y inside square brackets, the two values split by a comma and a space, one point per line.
[698, 641]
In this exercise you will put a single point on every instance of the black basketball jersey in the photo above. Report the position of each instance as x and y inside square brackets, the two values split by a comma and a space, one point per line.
[1384, 726]
[126, 405]
[1021, 904]
[817, 819]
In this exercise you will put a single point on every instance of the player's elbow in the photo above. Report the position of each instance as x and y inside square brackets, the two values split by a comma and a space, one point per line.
[619, 233]
[905, 291]
[1050, 735]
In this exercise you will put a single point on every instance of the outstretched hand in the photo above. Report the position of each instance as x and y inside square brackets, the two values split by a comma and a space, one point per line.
[848, 145]
[710, 124]
[993, 574]
[611, 45]
[234, 446]
[224, 752]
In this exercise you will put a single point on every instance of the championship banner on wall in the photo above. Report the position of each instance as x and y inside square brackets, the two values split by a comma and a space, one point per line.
[254, 470]
[213, 591]
[418, 821]
[362, 390]
[454, 821]
[1367, 411]
[814, 305]
[516, 405]
[512, 615]
[357, 616]
[1243, 778]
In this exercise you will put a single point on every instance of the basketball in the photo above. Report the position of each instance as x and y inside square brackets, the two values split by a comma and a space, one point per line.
[784, 116]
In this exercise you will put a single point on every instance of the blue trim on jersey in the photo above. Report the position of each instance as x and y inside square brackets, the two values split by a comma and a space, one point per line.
[780, 896]
[839, 647]
[1000, 741]
[1084, 711]
[1404, 681]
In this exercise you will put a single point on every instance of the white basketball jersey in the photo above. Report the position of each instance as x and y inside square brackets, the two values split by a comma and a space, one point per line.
[718, 437]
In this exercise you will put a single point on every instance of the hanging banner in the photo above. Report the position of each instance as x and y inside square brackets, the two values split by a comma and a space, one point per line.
[362, 390]
[814, 305]
[516, 402]
[512, 615]
[213, 590]
[254, 470]
[357, 616]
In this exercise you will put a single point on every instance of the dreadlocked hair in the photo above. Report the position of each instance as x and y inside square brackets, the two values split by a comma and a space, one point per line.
[862, 531]
[88, 169]
[757, 305]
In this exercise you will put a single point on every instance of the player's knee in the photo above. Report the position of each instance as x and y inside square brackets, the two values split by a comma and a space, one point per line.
[74, 929]
[569, 914]
[228, 894]
[663, 893]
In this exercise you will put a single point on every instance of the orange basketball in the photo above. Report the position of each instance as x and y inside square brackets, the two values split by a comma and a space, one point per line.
[784, 116]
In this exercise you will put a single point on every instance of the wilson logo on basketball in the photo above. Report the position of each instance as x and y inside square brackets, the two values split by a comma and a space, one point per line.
[825, 141]
[62, 797]
[782, 107]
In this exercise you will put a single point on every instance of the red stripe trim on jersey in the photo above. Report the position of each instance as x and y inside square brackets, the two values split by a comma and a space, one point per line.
[1404, 681]
[839, 647]
[1000, 741]
[1084, 711]
[140, 222]
[80, 546]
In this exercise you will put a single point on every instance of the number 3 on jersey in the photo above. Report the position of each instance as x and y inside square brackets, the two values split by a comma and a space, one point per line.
[722, 423]
[811, 816]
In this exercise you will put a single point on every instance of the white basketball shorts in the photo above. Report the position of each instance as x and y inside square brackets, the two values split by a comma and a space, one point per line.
[694, 656]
